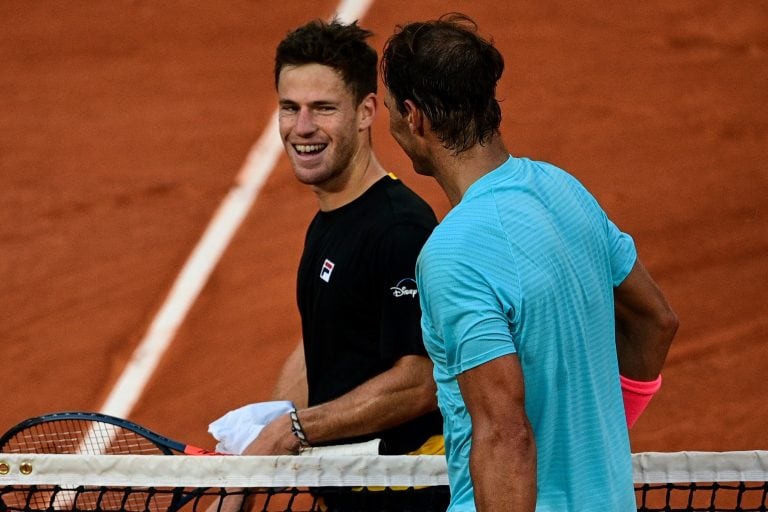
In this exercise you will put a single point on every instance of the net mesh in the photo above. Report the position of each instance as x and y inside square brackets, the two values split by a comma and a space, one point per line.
[684, 481]
[701, 481]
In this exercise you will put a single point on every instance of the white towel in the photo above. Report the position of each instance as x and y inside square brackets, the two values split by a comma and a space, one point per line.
[237, 429]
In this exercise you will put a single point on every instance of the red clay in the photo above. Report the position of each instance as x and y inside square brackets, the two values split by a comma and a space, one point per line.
[123, 125]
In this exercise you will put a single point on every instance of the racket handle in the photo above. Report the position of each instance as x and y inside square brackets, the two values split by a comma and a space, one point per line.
[194, 450]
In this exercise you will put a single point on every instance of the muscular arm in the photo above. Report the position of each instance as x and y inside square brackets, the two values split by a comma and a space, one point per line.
[645, 325]
[502, 460]
[395, 396]
[389, 399]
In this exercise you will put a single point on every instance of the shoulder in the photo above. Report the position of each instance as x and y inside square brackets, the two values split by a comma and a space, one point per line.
[395, 212]
[390, 221]
[403, 203]
[560, 180]
[467, 237]
[537, 184]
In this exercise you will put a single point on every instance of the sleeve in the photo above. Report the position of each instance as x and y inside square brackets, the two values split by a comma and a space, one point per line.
[467, 314]
[623, 253]
[400, 326]
[620, 246]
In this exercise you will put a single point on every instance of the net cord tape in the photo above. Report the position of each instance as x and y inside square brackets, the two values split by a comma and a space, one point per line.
[333, 470]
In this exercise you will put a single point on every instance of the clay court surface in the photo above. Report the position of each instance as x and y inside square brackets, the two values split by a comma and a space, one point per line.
[124, 124]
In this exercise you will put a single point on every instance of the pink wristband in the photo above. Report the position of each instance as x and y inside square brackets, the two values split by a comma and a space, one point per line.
[636, 395]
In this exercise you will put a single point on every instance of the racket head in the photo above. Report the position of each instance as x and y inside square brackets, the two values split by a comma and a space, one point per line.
[90, 433]
[86, 433]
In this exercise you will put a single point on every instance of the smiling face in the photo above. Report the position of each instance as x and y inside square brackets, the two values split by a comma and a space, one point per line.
[321, 126]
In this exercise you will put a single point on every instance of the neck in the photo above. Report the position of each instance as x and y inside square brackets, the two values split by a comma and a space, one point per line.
[456, 173]
[348, 186]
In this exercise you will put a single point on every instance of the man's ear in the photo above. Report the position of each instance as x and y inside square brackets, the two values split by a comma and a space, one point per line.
[367, 110]
[414, 117]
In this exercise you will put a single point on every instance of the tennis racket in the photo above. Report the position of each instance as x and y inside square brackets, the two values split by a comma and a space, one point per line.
[90, 433]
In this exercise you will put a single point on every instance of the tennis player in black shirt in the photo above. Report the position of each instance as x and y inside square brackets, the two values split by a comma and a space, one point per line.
[361, 371]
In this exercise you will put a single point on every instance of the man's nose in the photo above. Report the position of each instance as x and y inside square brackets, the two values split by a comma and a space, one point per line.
[305, 123]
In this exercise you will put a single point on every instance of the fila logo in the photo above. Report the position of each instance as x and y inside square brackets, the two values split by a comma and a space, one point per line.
[325, 272]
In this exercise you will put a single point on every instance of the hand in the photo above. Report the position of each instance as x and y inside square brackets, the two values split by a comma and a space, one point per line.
[275, 439]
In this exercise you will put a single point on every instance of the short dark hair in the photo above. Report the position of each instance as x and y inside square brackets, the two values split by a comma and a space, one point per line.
[449, 72]
[336, 45]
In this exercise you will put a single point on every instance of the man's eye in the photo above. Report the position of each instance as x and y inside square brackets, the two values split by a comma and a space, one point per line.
[288, 108]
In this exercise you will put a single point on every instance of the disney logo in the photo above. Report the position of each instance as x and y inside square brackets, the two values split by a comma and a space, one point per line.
[402, 288]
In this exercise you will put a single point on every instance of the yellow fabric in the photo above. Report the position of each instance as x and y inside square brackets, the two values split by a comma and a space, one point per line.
[435, 445]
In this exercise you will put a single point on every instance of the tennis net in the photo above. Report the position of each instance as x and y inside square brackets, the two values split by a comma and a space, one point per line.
[682, 481]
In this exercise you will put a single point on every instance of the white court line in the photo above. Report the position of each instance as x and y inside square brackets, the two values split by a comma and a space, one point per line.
[258, 165]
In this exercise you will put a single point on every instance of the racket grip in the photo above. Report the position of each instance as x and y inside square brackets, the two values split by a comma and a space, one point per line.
[194, 450]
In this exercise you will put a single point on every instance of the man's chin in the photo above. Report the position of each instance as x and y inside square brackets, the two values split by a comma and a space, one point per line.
[313, 177]
[304, 171]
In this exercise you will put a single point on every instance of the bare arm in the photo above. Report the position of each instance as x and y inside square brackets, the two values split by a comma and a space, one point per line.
[292, 381]
[395, 396]
[502, 460]
[645, 325]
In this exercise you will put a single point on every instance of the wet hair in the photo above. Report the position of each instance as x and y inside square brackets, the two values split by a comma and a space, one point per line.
[339, 46]
[450, 73]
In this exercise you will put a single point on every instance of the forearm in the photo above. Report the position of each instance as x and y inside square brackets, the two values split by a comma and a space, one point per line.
[292, 381]
[503, 469]
[642, 349]
[645, 326]
[398, 395]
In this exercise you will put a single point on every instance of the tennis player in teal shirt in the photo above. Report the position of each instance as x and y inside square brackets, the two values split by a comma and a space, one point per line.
[525, 237]
[535, 305]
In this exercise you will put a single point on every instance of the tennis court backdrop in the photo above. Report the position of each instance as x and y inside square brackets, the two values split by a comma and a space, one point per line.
[124, 124]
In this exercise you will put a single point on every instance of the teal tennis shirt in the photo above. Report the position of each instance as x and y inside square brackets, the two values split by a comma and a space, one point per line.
[526, 264]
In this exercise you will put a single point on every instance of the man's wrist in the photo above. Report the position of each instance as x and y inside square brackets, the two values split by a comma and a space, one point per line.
[298, 430]
[637, 394]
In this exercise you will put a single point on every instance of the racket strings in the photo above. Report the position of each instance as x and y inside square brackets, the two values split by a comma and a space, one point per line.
[80, 437]
[84, 437]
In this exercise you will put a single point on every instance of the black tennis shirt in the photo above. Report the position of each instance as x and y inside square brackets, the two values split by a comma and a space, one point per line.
[357, 297]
